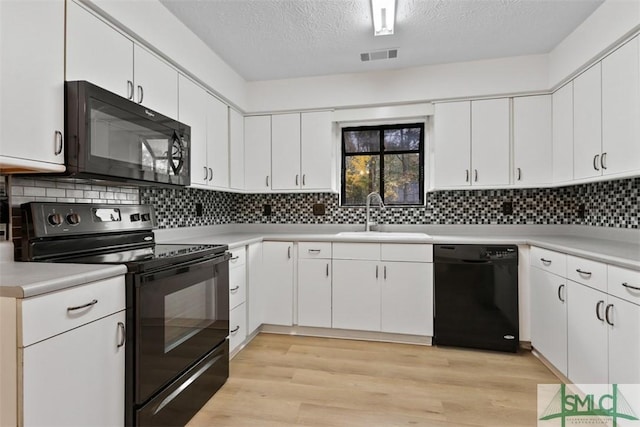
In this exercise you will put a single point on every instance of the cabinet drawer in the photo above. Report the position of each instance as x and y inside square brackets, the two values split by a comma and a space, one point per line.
[238, 256]
[47, 315]
[553, 262]
[237, 326]
[406, 252]
[314, 250]
[237, 286]
[369, 251]
[624, 283]
[587, 272]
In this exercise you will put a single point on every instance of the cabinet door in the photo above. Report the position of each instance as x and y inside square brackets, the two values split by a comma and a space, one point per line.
[277, 258]
[549, 317]
[314, 292]
[621, 110]
[156, 83]
[236, 150]
[98, 53]
[285, 151]
[624, 342]
[452, 149]
[562, 131]
[587, 352]
[587, 123]
[76, 378]
[237, 326]
[192, 104]
[532, 139]
[257, 150]
[218, 142]
[407, 298]
[490, 142]
[255, 288]
[316, 150]
[356, 295]
[32, 80]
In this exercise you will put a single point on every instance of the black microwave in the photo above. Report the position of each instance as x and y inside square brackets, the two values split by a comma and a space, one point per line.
[109, 137]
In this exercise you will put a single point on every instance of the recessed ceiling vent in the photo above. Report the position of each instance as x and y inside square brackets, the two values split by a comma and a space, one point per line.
[379, 54]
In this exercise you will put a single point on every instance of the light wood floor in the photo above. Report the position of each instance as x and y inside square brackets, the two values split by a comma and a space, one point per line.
[281, 380]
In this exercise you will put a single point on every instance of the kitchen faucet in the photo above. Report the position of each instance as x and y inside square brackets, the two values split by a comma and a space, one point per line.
[369, 223]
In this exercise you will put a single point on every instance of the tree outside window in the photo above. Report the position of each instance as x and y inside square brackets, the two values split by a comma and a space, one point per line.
[385, 159]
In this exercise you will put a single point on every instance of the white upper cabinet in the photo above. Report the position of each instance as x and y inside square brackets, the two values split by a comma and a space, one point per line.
[192, 104]
[562, 133]
[285, 151]
[120, 67]
[316, 151]
[532, 139]
[257, 153]
[621, 110]
[236, 150]
[587, 123]
[490, 135]
[452, 134]
[218, 142]
[32, 84]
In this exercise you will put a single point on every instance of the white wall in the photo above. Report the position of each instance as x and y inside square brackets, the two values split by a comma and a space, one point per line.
[604, 28]
[418, 84]
[153, 23]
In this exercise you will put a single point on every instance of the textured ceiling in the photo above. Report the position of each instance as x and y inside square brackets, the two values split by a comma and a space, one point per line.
[275, 39]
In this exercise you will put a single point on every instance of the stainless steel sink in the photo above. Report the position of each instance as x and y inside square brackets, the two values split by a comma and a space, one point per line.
[383, 235]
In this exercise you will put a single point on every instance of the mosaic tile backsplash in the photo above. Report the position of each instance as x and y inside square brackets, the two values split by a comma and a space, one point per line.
[606, 204]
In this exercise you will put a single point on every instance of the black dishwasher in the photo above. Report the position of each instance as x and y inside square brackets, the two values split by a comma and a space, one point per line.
[476, 296]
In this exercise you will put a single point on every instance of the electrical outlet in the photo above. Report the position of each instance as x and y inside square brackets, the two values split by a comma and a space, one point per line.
[199, 209]
[266, 210]
[582, 211]
[318, 209]
[507, 208]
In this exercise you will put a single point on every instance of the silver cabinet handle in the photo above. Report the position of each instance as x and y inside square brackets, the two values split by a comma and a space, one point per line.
[607, 312]
[140, 94]
[628, 286]
[234, 330]
[603, 161]
[595, 162]
[545, 261]
[210, 174]
[384, 272]
[376, 271]
[560, 288]
[59, 141]
[586, 273]
[235, 258]
[206, 173]
[80, 307]
[123, 335]
[314, 251]
[130, 90]
[519, 176]
[304, 179]
[598, 305]
[234, 289]
[267, 181]
[327, 269]
[467, 175]
[475, 175]
[297, 179]
[289, 252]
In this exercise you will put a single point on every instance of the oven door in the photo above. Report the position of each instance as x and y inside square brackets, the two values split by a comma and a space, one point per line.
[182, 313]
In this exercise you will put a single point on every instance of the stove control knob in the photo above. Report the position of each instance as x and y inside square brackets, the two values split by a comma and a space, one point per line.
[73, 218]
[54, 219]
[135, 217]
[146, 217]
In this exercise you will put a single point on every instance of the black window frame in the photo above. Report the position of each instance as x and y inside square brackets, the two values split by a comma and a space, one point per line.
[381, 153]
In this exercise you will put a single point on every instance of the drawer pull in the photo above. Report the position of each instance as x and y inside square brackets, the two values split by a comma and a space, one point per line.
[635, 288]
[607, 311]
[586, 273]
[314, 251]
[327, 269]
[235, 258]
[545, 261]
[234, 330]
[234, 289]
[123, 334]
[560, 289]
[80, 307]
[598, 305]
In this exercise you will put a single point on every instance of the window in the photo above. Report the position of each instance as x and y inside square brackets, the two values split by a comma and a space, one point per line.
[385, 159]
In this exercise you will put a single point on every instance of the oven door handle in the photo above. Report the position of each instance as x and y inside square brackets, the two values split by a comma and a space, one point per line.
[186, 384]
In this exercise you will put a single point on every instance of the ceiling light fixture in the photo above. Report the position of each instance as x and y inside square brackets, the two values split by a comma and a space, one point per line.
[384, 16]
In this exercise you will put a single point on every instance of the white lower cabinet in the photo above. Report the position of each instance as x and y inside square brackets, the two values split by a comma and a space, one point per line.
[255, 288]
[356, 295]
[237, 326]
[314, 292]
[277, 296]
[549, 317]
[624, 342]
[237, 297]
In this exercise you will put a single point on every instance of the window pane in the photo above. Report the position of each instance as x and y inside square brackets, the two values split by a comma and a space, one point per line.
[362, 176]
[361, 141]
[402, 179]
[402, 139]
